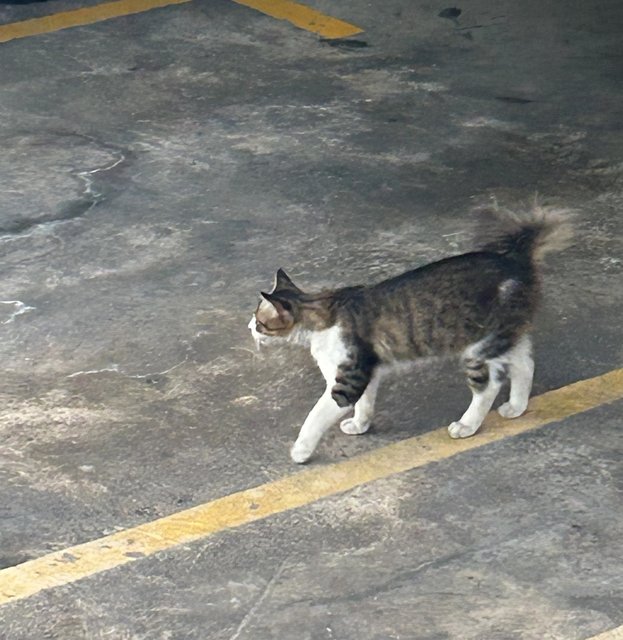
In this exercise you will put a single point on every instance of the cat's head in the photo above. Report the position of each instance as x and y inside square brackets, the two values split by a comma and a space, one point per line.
[280, 314]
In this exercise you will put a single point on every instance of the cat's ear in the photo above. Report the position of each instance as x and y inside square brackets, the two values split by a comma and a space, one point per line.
[281, 308]
[283, 282]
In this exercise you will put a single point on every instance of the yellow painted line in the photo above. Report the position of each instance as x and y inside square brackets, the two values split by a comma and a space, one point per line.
[64, 567]
[79, 17]
[303, 17]
[613, 634]
[295, 13]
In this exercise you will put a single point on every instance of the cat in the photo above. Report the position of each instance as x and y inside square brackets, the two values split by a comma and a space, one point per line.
[479, 305]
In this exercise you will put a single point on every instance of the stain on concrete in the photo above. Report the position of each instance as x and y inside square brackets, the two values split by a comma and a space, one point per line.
[451, 13]
[513, 99]
[345, 43]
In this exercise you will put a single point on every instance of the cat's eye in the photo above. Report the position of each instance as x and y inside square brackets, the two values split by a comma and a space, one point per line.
[261, 327]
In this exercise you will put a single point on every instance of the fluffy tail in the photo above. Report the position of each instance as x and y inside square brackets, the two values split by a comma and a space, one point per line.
[529, 235]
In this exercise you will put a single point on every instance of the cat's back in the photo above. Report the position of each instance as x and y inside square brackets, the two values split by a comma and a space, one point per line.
[477, 269]
[440, 307]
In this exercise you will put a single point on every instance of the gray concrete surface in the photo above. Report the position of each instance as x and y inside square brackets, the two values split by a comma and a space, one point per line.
[517, 540]
[156, 170]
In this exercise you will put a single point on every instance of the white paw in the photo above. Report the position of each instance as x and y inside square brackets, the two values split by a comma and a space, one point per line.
[353, 428]
[460, 430]
[301, 453]
[507, 410]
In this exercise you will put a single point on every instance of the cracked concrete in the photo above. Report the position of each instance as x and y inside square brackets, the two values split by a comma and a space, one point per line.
[156, 170]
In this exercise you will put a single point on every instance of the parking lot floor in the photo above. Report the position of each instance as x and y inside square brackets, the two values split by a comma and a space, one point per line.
[157, 168]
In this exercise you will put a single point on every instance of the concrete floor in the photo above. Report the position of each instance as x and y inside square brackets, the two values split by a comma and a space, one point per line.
[156, 170]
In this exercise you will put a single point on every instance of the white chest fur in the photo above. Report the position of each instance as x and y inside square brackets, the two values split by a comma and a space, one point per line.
[329, 350]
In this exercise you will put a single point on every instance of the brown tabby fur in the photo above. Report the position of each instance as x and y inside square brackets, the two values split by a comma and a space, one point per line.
[484, 300]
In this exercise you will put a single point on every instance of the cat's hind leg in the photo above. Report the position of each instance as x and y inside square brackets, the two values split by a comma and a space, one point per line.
[364, 410]
[485, 378]
[520, 372]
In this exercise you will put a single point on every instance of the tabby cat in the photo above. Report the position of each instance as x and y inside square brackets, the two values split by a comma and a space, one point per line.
[479, 305]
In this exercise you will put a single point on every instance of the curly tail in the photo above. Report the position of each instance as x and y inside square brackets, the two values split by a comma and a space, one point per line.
[526, 236]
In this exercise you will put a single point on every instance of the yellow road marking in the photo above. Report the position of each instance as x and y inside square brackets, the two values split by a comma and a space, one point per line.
[297, 14]
[613, 634]
[303, 17]
[305, 487]
[79, 17]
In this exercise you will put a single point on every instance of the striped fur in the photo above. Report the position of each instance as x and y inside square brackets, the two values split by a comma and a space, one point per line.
[478, 304]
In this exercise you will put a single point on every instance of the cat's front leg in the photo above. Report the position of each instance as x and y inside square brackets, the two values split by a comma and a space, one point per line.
[325, 413]
[364, 410]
